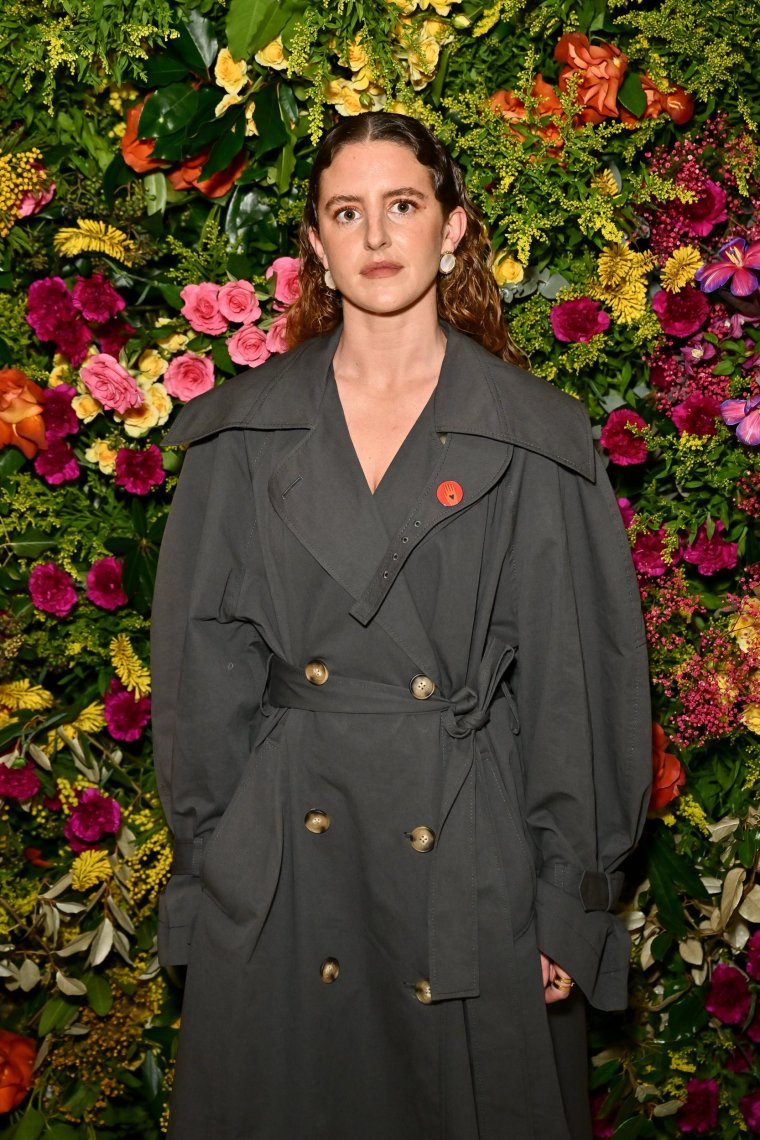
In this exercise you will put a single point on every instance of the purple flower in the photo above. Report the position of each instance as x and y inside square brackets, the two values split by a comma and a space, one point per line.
[57, 464]
[696, 415]
[624, 446]
[125, 714]
[578, 320]
[696, 353]
[750, 1107]
[700, 1112]
[52, 589]
[58, 414]
[753, 956]
[681, 314]
[104, 585]
[729, 997]
[18, 783]
[94, 816]
[736, 262]
[710, 555]
[96, 299]
[746, 415]
[139, 471]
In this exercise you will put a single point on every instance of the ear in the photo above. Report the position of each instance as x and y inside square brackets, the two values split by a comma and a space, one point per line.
[317, 246]
[454, 228]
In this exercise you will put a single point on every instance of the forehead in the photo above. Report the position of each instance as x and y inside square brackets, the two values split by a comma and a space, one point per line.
[362, 168]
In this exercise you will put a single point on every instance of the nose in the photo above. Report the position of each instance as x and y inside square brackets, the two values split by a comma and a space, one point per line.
[376, 233]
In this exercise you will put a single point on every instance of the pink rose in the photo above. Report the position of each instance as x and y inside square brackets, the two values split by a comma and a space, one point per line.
[201, 308]
[249, 346]
[189, 375]
[710, 555]
[578, 320]
[52, 589]
[287, 286]
[681, 314]
[623, 446]
[110, 383]
[238, 302]
[696, 415]
[277, 340]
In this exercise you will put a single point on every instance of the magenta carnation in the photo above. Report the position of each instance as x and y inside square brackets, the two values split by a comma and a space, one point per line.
[73, 340]
[50, 307]
[750, 1108]
[57, 464]
[700, 1112]
[709, 209]
[623, 446]
[753, 956]
[648, 553]
[104, 585]
[52, 589]
[58, 414]
[94, 816]
[19, 783]
[710, 555]
[681, 314]
[139, 471]
[578, 320]
[113, 335]
[729, 998]
[697, 414]
[96, 299]
[626, 511]
[125, 714]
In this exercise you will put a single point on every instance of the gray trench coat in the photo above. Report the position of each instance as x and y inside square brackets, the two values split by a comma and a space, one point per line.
[403, 741]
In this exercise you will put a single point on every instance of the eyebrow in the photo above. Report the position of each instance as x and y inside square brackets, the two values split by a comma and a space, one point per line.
[401, 191]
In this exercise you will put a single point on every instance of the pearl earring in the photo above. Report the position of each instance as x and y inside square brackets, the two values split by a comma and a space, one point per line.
[447, 262]
[329, 279]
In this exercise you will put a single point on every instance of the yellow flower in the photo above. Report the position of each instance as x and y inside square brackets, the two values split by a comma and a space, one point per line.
[507, 270]
[347, 100]
[680, 268]
[60, 373]
[103, 454]
[229, 73]
[90, 868]
[628, 301]
[604, 183]
[442, 7]
[751, 717]
[90, 718]
[128, 667]
[272, 55]
[357, 55]
[153, 412]
[745, 626]
[86, 407]
[151, 364]
[225, 103]
[172, 342]
[89, 236]
[250, 124]
[24, 695]
[615, 264]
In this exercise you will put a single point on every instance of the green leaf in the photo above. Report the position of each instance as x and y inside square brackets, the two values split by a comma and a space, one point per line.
[99, 993]
[196, 43]
[631, 94]
[288, 106]
[155, 191]
[222, 359]
[32, 543]
[171, 294]
[62, 1132]
[163, 69]
[56, 1014]
[30, 1125]
[283, 169]
[272, 131]
[169, 110]
[630, 1128]
[11, 461]
[117, 174]
[687, 1016]
[249, 211]
[229, 144]
[251, 24]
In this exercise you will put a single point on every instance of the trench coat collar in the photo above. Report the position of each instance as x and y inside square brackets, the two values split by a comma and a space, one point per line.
[477, 394]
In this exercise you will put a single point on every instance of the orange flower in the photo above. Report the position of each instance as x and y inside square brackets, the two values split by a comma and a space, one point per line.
[16, 1063]
[187, 176]
[21, 422]
[135, 151]
[668, 775]
[602, 67]
[507, 104]
[677, 103]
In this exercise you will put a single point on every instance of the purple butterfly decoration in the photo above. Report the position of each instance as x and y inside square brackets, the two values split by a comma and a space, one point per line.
[746, 415]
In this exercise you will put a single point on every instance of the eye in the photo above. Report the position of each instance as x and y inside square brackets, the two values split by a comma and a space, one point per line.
[347, 214]
[404, 206]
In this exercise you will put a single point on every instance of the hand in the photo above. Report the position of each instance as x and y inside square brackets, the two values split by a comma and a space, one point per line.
[552, 974]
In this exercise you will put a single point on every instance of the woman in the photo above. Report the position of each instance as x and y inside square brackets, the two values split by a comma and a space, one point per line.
[402, 730]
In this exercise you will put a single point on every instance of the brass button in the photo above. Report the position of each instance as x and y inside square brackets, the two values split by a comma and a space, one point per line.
[316, 821]
[316, 672]
[329, 970]
[423, 992]
[421, 687]
[422, 839]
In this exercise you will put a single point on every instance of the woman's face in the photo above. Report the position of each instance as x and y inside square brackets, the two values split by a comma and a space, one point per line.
[381, 228]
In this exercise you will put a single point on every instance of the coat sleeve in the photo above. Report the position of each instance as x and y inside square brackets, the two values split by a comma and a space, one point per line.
[209, 670]
[583, 697]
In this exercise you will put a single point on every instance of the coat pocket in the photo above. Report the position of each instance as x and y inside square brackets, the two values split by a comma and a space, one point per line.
[511, 844]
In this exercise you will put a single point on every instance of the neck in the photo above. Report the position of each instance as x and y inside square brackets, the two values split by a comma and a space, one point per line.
[385, 352]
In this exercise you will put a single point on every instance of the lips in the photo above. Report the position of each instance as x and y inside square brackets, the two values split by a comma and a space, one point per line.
[381, 269]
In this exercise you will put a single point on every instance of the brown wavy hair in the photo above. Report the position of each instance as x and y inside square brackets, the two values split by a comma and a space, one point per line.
[468, 297]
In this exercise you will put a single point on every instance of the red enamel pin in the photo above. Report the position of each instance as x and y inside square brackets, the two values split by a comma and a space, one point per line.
[449, 493]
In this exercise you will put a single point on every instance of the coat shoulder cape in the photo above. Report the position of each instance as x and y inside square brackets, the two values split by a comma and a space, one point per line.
[492, 399]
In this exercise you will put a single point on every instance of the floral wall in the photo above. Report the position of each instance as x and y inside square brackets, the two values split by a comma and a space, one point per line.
[153, 159]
